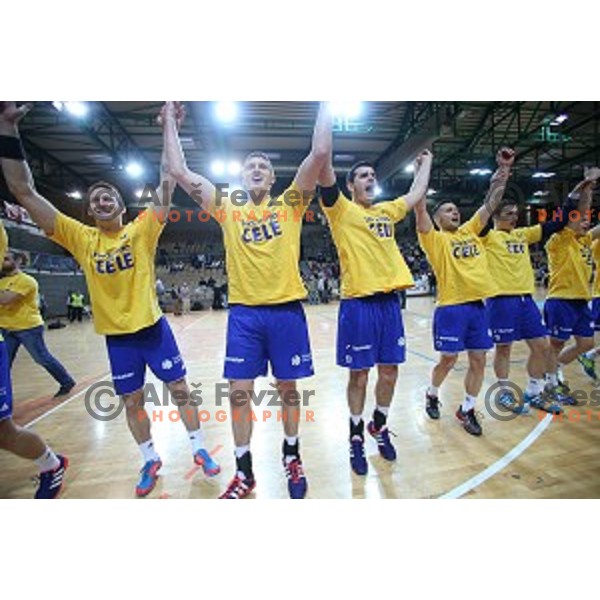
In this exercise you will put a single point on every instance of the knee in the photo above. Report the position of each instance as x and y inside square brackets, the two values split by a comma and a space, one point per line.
[585, 345]
[133, 402]
[503, 350]
[288, 393]
[447, 361]
[388, 375]
[359, 379]
[477, 361]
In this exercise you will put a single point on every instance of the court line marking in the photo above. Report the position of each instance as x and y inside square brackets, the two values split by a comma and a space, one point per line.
[99, 378]
[67, 401]
[495, 468]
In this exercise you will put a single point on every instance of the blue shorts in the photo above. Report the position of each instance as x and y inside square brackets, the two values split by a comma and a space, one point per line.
[259, 335]
[370, 332]
[154, 346]
[5, 386]
[461, 327]
[514, 318]
[596, 313]
[565, 318]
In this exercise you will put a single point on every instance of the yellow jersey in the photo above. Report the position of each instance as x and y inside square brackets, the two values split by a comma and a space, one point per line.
[459, 261]
[3, 249]
[570, 265]
[119, 270]
[509, 261]
[370, 261]
[23, 313]
[596, 259]
[262, 248]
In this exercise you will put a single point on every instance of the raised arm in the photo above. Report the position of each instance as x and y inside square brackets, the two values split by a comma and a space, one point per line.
[16, 170]
[166, 187]
[420, 183]
[424, 222]
[201, 190]
[505, 159]
[580, 199]
[312, 166]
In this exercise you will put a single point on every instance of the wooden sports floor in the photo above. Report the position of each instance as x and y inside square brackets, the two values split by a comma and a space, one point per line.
[529, 456]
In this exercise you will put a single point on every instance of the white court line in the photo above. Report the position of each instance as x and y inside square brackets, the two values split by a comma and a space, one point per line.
[472, 483]
[53, 410]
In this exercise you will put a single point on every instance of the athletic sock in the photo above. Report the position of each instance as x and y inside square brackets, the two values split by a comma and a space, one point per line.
[148, 451]
[48, 461]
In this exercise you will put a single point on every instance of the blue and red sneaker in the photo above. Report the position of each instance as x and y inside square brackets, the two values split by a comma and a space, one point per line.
[382, 437]
[358, 461]
[238, 488]
[148, 479]
[297, 484]
[203, 459]
[51, 482]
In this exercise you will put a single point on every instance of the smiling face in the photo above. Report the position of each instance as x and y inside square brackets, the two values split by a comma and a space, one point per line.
[257, 173]
[105, 202]
[362, 183]
[447, 217]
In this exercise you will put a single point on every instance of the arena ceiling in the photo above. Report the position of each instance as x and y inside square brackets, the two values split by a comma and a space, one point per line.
[67, 152]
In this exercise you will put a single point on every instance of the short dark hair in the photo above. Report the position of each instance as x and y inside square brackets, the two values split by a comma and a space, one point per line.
[352, 172]
[439, 205]
[503, 204]
[259, 154]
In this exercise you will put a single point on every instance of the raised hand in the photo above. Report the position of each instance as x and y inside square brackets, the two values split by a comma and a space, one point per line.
[10, 113]
[505, 157]
[174, 110]
[592, 174]
[424, 155]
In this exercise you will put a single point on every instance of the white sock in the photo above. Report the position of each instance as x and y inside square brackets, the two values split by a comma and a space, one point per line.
[591, 354]
[148, 451]
[559, 372]
[356, 419]
[196, 439]
[241, 450]
[47, 461]
[552, 379]
[433, 391]
[291, 441]
[468, 403]
[384, 410]
[534, 386]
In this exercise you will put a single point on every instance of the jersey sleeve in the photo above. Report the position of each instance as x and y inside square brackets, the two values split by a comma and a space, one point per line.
[429, 243]
[532, 234]
[340, 206]
[473, 225]
[71, 235]
[395, 209]
[22, 285]
[149, 227]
